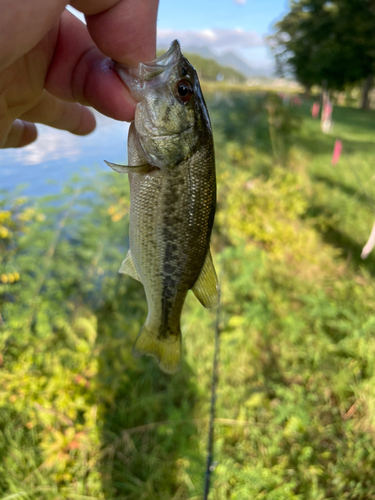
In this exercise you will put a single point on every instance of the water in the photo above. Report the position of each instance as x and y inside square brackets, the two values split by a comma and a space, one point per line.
[42, 168]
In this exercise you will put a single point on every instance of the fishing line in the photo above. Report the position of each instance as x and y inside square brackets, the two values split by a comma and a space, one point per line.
[215, 377]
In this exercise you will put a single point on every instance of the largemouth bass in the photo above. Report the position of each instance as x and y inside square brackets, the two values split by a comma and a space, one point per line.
[173, 197]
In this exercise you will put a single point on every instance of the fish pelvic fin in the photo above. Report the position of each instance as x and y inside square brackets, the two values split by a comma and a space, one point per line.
[166, 350]
[206, 288]
[128, 267]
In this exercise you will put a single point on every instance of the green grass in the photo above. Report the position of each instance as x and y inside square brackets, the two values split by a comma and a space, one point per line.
[80, 418]
[344, 195]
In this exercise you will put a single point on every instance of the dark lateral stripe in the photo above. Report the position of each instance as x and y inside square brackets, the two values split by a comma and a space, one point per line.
[170, 258]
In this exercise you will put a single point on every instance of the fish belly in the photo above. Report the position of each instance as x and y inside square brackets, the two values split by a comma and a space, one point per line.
[171, 217]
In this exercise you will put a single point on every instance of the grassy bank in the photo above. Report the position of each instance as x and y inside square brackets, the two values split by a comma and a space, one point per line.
[80, 418]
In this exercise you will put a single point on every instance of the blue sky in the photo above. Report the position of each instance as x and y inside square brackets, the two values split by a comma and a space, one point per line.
[222, 25]
[237, 25]
[252, 15]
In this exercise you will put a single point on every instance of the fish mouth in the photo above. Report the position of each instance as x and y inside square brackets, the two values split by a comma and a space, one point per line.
[135, 78]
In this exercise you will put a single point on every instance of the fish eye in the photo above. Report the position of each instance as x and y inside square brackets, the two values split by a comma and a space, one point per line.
[184, 91]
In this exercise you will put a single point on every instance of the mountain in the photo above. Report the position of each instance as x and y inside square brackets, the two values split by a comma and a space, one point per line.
[210, 70]
[201, 51]
[231, 60]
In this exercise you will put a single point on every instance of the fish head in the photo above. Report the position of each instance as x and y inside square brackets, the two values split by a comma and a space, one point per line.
[171, 118]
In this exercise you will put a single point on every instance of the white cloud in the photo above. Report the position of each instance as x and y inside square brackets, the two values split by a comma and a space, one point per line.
[239, 2]
[214, 39]
[52, 144]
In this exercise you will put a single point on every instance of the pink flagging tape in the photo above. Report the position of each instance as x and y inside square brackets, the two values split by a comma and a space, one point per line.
[337, 149]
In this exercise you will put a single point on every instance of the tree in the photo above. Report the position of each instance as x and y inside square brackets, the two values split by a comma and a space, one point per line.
[328, 42]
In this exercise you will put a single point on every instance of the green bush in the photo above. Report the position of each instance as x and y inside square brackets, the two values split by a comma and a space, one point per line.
[80, 418]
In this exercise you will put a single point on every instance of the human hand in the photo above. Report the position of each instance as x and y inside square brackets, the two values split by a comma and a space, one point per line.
[52, 65]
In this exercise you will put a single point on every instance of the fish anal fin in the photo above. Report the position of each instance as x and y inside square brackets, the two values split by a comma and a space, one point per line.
[166, 350]
[206, 288]
[127, 267]
[128, 169]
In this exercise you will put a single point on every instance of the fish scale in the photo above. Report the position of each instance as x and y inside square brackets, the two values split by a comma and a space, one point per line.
[173, 198]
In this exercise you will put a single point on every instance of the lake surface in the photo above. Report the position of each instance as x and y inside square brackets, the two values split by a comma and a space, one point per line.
[42, 168]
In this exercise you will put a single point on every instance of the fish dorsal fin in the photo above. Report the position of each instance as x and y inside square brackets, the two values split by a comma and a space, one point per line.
[206, 288]
[127, 267]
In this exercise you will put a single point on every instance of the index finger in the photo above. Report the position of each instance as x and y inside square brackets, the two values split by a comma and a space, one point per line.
[124, 30]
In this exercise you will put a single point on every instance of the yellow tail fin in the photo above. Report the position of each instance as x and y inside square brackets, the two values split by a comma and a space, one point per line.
[167, 351]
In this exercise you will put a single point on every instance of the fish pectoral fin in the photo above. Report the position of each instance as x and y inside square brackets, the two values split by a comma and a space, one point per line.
[206, 288]
[127, 267]
[128, 169]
